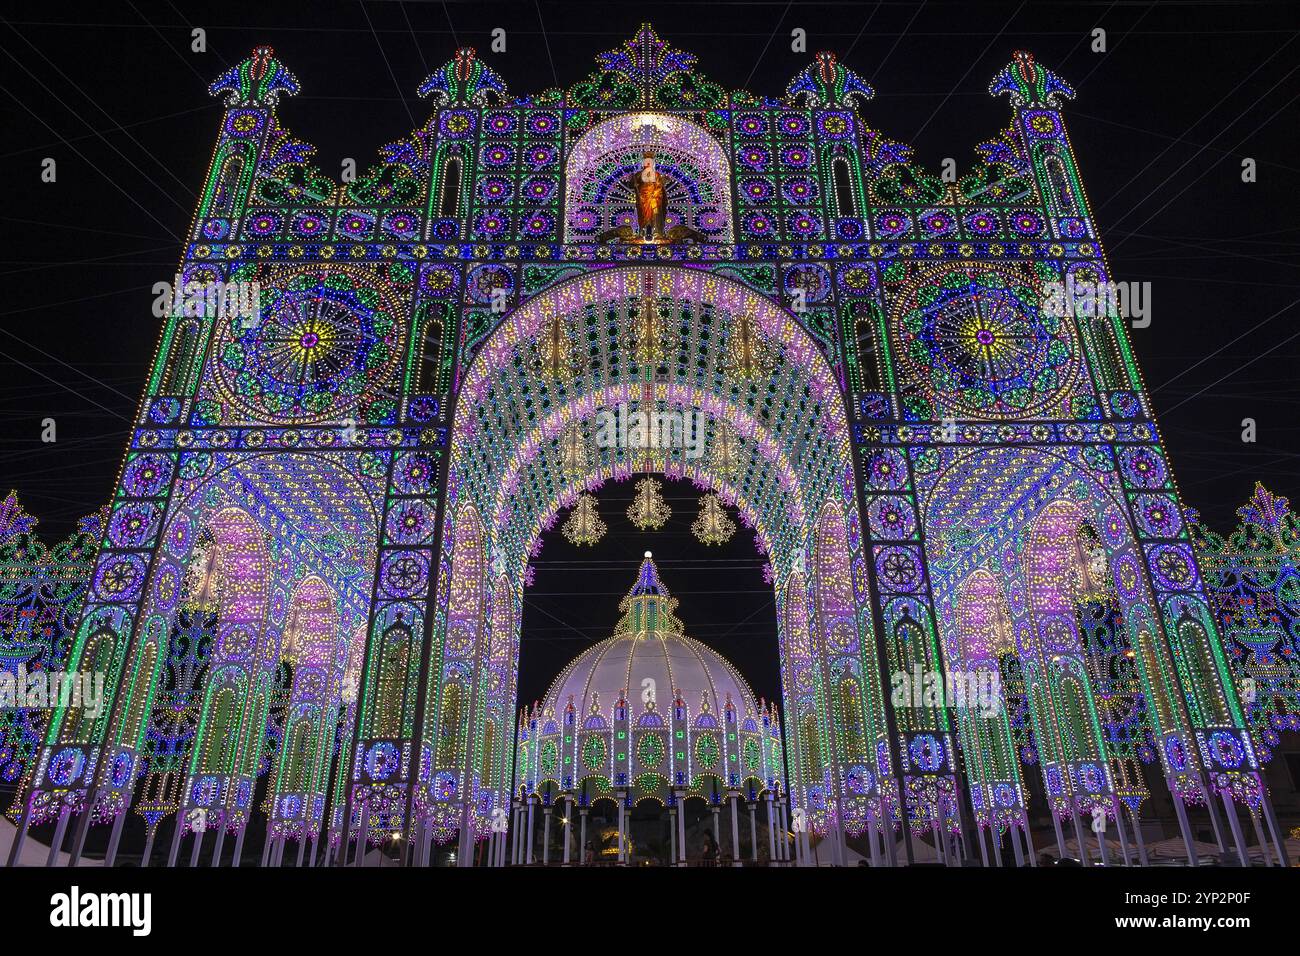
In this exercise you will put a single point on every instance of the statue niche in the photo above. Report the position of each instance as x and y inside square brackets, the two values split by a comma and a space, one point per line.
[648, 179]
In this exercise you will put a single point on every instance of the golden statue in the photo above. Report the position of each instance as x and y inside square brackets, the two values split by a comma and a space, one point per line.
[651, 199]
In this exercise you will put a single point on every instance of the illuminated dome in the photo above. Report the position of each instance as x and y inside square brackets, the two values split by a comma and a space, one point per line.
[649, 710]
[650, 659]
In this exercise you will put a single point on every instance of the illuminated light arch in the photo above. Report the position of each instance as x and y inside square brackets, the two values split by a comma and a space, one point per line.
[1020, 511]
[323, 518]
[517, 407]
[852, 689]
[318, 651]
[692, 162]
[497, 385]
[984, 638]
[667, 397]
[226, 718]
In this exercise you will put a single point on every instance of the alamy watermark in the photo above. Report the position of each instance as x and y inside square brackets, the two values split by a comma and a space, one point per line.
[1097, 300]
[219, 300]
[660, 429]
[977, 690]
[48, 690]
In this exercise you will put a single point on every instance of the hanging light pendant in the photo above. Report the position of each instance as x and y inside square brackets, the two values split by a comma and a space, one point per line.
[648, 510]
[574, 452]
[726, 452]
[584, 525]
[747, 355]
[713, 526]
[556, 349]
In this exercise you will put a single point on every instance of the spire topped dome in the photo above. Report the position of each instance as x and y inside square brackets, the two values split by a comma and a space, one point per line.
[650, 661]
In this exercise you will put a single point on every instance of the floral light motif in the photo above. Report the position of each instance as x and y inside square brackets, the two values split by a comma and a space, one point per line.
[713, 526]
[584, 526]
[648, 510]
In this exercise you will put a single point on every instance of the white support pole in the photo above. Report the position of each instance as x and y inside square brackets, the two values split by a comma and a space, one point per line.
[114, 837]
[681, 827]
[60, 829]
[568, 828]
[528, 851]
[546, 835]
[735, 828]
[239, 844]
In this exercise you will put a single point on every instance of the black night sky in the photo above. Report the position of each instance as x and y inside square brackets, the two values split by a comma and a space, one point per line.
[1161, 124]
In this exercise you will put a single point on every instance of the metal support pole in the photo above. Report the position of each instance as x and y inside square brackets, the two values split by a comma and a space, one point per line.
[239, 844]
[1120, 829]
[220, 843]
[546, 836]
[20, 835]
[582, 835]
[83, 828]
[60, 829]
[1266, 804]
[1235, 823]
[528, 852]
[623, 823]
[198, 845]
[1264, 848]
[1060, 837]
[175, 848]
[735, 828]
[681, 827]
[118, 821]
[1137, 837]
[363, 832]
[568, 830]
[1180, 810]
[1029, 841]
[1084, 856]
[672, 836]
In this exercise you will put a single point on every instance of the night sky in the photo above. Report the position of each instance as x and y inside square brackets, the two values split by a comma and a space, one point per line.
[1160, 126]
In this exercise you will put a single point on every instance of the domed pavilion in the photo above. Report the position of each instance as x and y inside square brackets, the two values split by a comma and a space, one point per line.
[649, 720]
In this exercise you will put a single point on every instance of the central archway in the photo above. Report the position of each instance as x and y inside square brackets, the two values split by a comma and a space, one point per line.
[764, 426]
